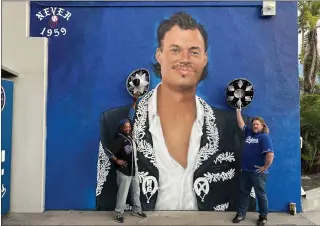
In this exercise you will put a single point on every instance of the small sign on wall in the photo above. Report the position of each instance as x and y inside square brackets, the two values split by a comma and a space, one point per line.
[54, 20]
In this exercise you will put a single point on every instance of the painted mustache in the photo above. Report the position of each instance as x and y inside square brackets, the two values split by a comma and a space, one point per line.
[187, 67]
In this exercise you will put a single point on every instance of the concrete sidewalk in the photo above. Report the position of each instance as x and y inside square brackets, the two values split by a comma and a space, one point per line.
[156, 218]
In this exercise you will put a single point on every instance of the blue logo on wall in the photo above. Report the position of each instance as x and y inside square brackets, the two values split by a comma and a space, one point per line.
[53, 16]
[3, 159]
[3, 98]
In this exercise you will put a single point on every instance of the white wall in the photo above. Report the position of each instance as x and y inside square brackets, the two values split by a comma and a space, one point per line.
[27, 58]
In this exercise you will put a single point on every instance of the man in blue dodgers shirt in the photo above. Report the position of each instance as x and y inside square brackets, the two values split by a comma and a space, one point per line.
[257, 157]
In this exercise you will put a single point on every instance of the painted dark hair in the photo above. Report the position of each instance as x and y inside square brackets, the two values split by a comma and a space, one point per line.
[185, 22]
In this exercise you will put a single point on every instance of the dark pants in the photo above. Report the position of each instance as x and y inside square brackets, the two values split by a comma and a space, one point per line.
[258, 182]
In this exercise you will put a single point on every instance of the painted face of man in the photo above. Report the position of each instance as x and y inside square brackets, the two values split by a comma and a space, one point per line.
[182, 58]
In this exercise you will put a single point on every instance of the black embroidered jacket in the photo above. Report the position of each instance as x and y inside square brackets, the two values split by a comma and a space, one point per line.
[216, 178]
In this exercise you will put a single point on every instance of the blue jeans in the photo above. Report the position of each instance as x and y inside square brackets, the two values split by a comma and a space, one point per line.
[258, 182]
[124, 183]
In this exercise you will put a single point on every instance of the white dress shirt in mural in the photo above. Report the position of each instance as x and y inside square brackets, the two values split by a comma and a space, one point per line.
[175, 182]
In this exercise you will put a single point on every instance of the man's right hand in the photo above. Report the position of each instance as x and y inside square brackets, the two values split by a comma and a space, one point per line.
[121, 163]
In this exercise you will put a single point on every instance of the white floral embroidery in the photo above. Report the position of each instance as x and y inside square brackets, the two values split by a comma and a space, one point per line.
[228, 156]
[201, 184]
[102, 169]
[201, 187]
[142, 176]
[149, 184]
[221, 207]
[212, 135]
[215, 177]
[253, 193]
[139, 129]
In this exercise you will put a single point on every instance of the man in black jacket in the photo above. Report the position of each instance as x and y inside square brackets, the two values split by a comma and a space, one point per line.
[124, 157]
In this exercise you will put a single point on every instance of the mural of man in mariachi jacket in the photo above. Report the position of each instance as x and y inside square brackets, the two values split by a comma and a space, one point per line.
[188, 153]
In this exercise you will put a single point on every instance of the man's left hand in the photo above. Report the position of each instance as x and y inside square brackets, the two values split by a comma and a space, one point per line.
[261, 169]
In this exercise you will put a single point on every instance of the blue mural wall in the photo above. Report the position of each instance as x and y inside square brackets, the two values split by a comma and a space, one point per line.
[7, 88]
[102, 42]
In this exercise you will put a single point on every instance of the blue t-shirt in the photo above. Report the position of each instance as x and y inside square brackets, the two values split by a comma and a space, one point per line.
[255, 148]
